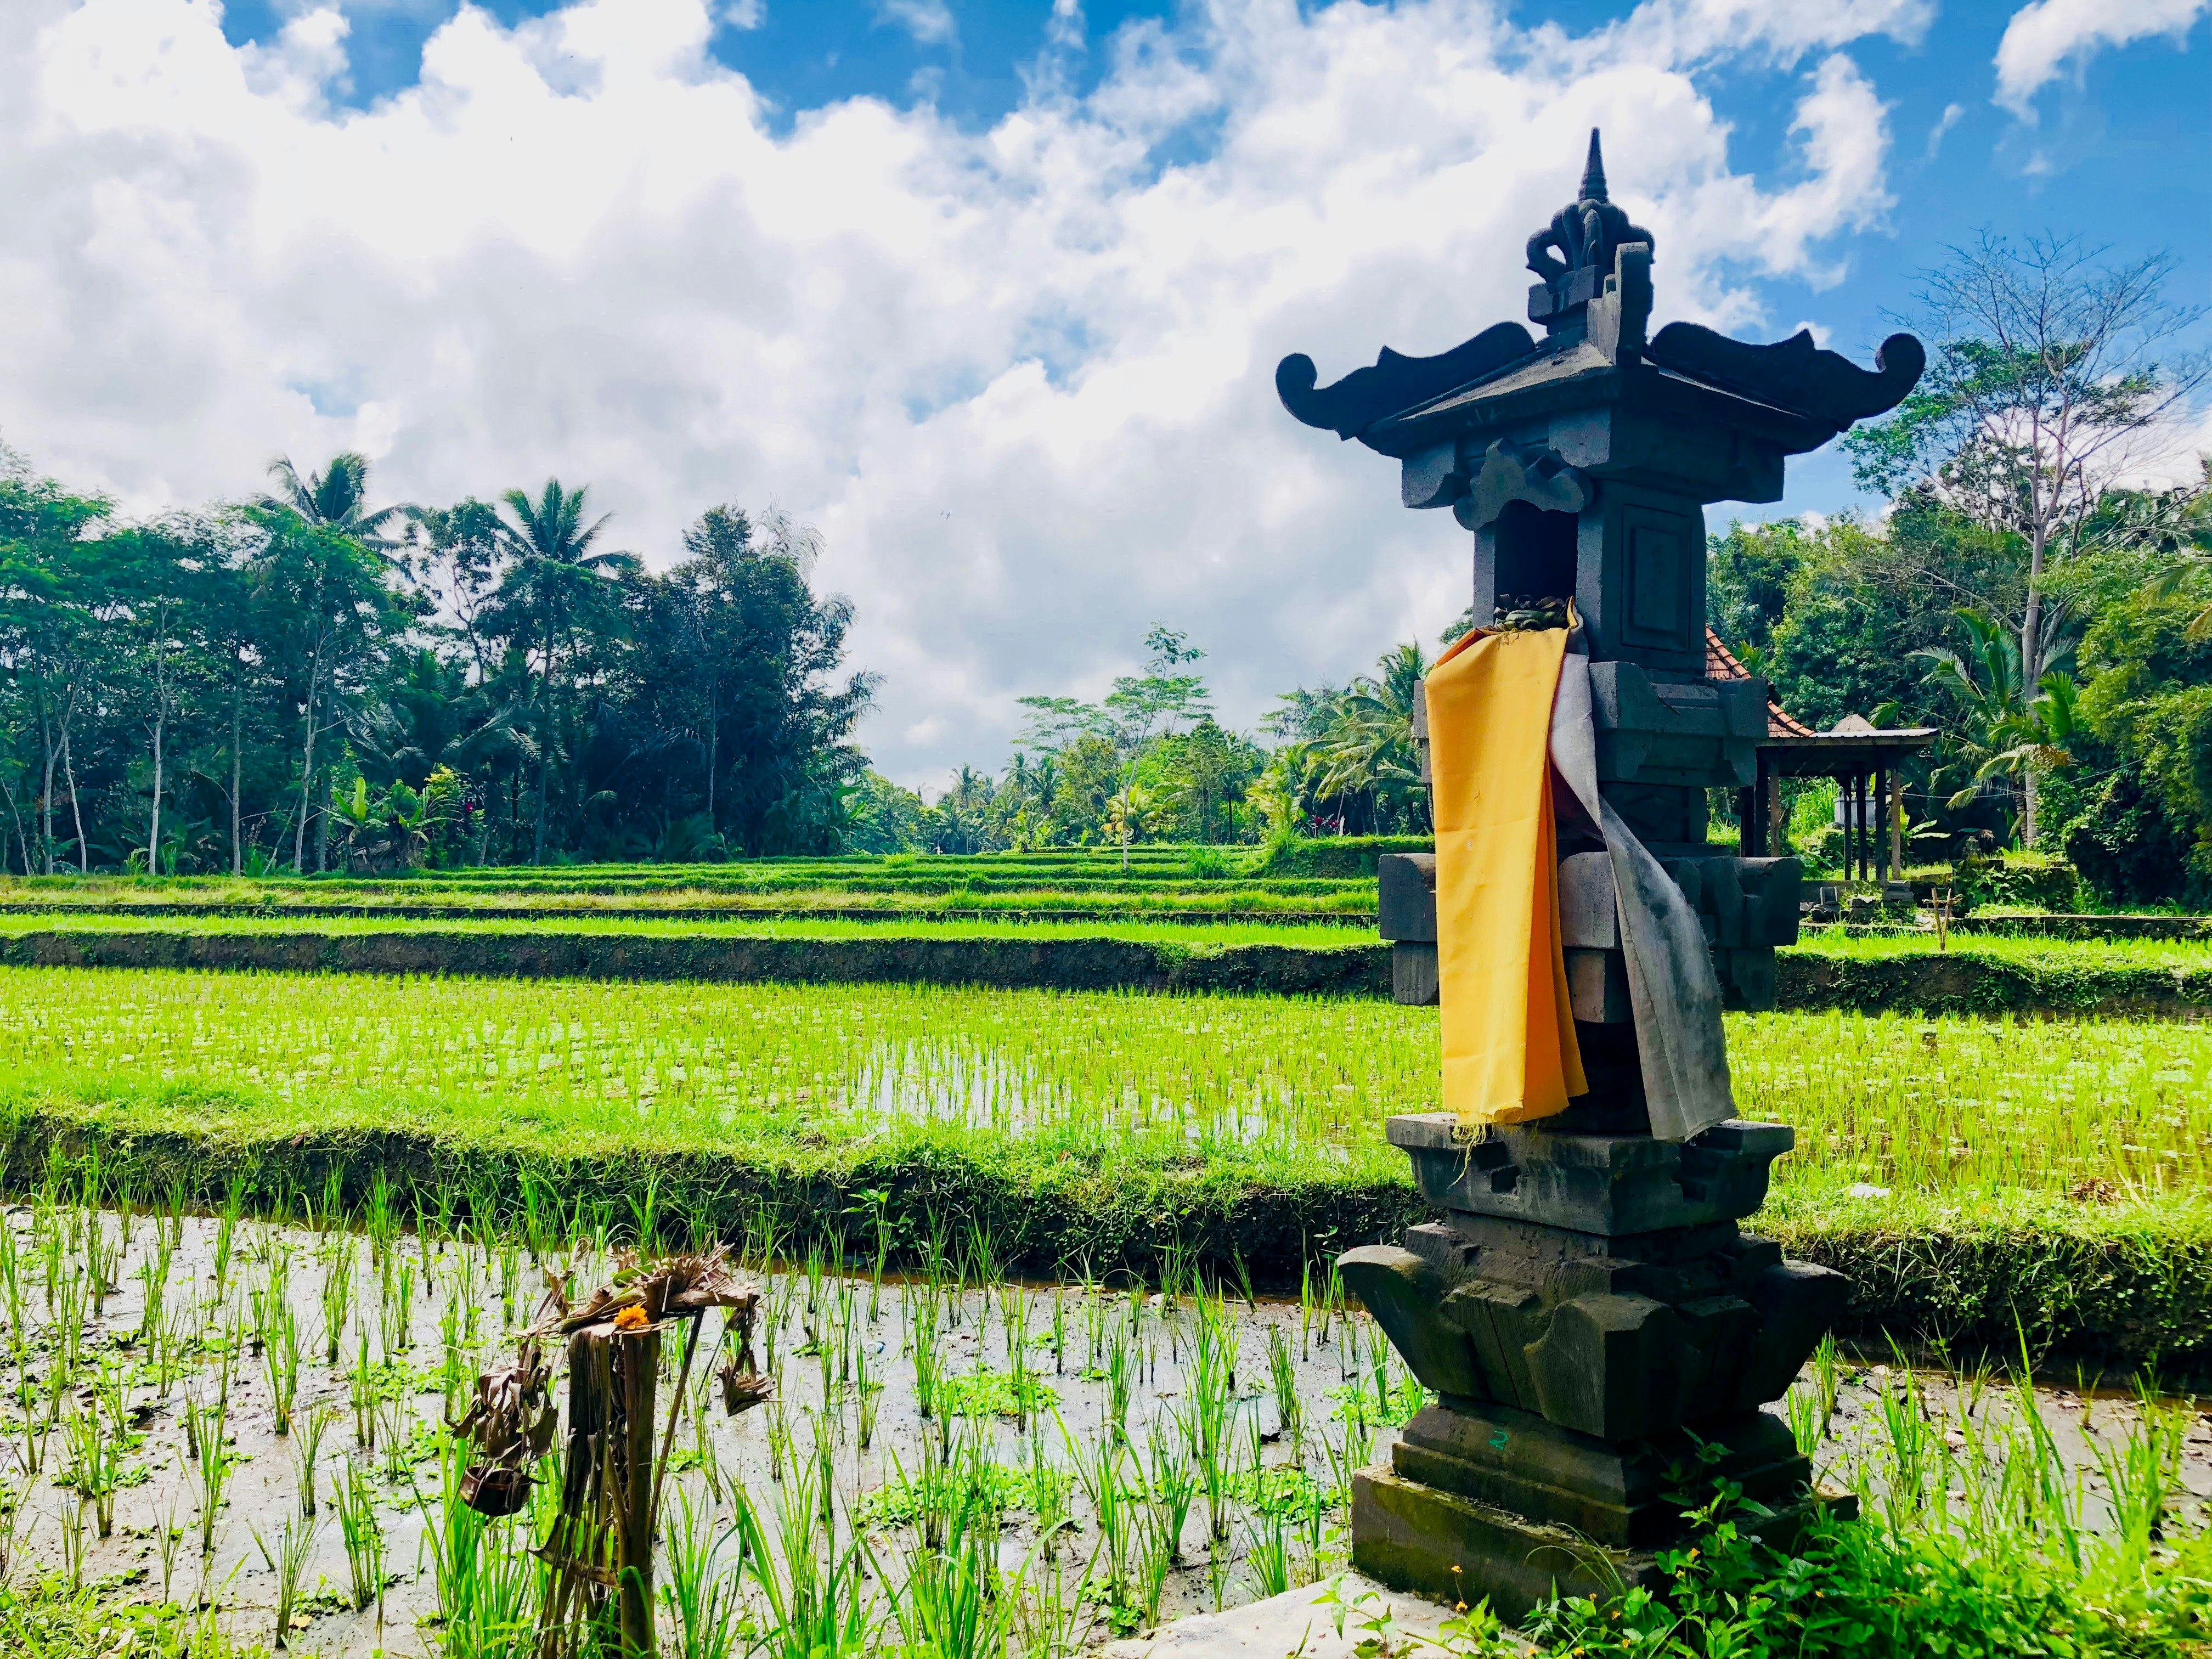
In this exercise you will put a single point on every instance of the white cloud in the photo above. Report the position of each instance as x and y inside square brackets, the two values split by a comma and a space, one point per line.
[927, 20]
[2046, 34]
[1022, 378]
[1952, 113]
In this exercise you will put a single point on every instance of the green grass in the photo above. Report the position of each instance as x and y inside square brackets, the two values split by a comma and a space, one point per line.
[2032, 951]
[970, 884]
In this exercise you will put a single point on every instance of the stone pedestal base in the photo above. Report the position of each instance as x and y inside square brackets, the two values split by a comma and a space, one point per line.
[1626, 1495]
[1414, 1538]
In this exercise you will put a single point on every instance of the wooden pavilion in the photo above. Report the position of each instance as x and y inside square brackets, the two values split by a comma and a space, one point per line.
[1862, 757]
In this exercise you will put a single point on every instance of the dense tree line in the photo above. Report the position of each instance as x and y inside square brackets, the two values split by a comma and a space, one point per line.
[304, 681]
[1149, 761]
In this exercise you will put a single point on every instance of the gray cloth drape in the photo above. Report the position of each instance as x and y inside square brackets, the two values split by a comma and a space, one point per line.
[1672, 987]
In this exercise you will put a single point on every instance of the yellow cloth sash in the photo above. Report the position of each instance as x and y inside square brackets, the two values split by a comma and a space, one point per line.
[1510, 1053]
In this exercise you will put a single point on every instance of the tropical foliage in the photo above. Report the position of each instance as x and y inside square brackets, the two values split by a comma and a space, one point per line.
[306, 680]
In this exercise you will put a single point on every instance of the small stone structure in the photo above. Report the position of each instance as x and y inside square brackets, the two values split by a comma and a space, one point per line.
[1594, 1323]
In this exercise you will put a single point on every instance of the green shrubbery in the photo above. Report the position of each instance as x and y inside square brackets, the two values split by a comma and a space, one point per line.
[1336, 856]
[2018, 881]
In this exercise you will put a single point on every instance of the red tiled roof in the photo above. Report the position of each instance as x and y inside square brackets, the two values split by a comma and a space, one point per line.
[1720, 664]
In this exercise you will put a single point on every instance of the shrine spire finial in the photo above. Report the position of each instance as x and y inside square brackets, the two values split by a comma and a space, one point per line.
[1593, 172]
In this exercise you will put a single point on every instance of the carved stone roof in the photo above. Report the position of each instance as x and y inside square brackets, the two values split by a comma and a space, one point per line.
[1595, 303]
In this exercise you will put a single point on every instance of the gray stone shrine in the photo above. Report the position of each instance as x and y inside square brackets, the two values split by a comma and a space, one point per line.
[1585, 1306]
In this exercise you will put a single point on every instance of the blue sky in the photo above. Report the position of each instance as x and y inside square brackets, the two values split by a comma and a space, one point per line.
[991, 292]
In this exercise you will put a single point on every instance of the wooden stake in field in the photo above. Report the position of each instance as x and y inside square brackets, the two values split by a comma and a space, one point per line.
[599, 1596]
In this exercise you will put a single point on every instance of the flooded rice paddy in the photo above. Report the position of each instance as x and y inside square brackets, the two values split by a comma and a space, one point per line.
[246, 1419]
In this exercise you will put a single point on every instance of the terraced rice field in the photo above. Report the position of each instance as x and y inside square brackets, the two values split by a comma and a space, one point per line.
[1257, 1087]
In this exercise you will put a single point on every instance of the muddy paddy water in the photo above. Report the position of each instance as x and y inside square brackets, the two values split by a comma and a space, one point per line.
[247, 1420]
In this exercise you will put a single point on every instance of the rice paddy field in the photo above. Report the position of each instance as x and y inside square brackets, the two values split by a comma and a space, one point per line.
[1168, 881]
[1983, 1182]
[1294, 1087]
[2075, 955]
[1052, 1348]
[228, 1436]
[1312, 932]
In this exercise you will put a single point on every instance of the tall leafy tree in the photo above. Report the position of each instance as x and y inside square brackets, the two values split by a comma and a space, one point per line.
[330, 614]
[2053, 372]
[744, 656]
[55, 647]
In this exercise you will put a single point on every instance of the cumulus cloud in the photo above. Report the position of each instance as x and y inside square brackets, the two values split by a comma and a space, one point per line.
[1021, 377]
[2047, 33]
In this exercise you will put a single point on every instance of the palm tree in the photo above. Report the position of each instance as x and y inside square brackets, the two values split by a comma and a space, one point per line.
[2009, 733]
[336, 498]
[1369, 745]
[555, 583]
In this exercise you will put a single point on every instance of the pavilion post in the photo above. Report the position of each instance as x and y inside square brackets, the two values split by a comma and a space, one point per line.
[1868, 857]
[1859, 824]
[1880, 824]
[1847, 789]
[1897, 822]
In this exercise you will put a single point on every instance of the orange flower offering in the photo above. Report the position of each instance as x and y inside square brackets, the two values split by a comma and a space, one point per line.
[631, 1318]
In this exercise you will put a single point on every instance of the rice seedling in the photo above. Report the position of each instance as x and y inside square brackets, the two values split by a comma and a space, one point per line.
[282, 1361]
[1282, 1376]
[226, 1240]
[11, 1291]
[209, 1459]
[701, 1594]
[454, 1366]
[153, 1270]
[336, 1296]
[868, 1392]
[362, 1534]
[1170, 1489]
[1097, 1465]
[361, 1395]
[1121, 1365]
[483, 1579]
[95, 1467]
[308, 1448]
[295, 1540]
[71, 1515]
[168, 1537]
[1268, 1555]
[396, 1309]
[45, 1228]
[816, 1601]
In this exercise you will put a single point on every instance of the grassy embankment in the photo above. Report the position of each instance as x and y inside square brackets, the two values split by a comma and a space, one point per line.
[1906, 972]
[1980, 1180]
